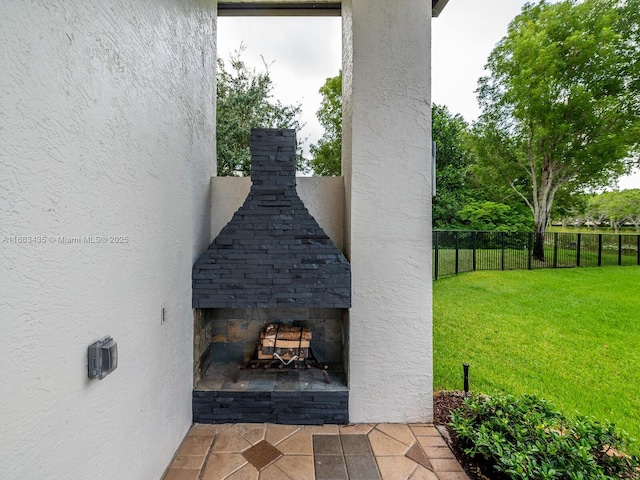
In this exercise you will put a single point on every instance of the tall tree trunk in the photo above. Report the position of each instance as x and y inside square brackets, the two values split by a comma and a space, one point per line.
[540, 224]
[538, 244]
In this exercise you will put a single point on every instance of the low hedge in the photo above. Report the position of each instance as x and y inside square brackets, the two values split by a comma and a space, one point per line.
[526, 438]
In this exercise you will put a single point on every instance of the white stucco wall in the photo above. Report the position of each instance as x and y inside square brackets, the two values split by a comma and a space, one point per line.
[386, 160]
[323, 197]
[107, 129]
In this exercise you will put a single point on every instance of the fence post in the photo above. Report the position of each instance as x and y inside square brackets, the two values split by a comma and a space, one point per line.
[529, 251]
[436, 256]
[457, 250]
[474, 237]
[578, 244]
[619, 249]
[502, 257]
[555, 250]
[599, 249]
[638, 238]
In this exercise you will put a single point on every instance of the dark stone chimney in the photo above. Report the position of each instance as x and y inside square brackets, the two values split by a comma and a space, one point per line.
[272, 253]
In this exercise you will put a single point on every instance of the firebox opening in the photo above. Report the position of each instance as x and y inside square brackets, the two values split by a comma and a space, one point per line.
[229, 389]
[228, 338]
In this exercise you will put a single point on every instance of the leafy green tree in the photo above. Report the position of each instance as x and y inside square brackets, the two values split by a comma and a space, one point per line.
[492, 216]
[453, 160]
[461, 201]
[326, 157]
[244, 101]
[573, 209]
[560, 106]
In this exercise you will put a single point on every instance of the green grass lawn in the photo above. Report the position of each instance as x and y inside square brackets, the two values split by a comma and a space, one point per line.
[571, 336]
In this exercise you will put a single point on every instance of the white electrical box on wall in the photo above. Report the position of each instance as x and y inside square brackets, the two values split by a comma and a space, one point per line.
[102, 358]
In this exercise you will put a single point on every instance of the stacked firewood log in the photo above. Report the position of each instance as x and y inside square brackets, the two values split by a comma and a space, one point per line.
[286, 341]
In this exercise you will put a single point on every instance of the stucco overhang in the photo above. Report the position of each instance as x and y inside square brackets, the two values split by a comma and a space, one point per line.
[437, 6]
[299, 8]
[280, 9]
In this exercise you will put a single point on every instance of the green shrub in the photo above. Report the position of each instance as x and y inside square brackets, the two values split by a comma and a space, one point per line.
[525, 438]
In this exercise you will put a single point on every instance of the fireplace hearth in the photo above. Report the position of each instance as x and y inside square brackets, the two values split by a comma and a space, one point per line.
[285, 396]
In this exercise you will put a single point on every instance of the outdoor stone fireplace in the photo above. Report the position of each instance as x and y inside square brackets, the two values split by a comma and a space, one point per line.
[271, 263]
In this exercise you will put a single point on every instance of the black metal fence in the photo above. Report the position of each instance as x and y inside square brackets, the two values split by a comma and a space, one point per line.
[466, 251]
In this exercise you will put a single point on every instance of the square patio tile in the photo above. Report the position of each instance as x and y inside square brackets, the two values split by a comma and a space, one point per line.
[327, 445]
[356, 445]
[330, 467]
[262, 454]
[362, 467]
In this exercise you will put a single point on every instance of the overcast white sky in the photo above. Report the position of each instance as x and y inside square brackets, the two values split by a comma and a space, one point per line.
[303, 52]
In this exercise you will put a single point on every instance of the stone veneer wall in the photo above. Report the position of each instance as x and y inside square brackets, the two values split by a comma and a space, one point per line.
[283, 407]
[272, 253]
[323, 197]
[202, 334]
[235, 332]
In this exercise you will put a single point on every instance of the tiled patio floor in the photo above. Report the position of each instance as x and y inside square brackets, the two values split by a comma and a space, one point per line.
[247, 451]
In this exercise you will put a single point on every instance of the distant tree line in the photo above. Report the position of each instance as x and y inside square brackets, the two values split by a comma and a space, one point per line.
[613, 209]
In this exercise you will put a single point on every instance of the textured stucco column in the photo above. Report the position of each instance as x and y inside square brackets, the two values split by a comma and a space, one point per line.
[386, 160]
